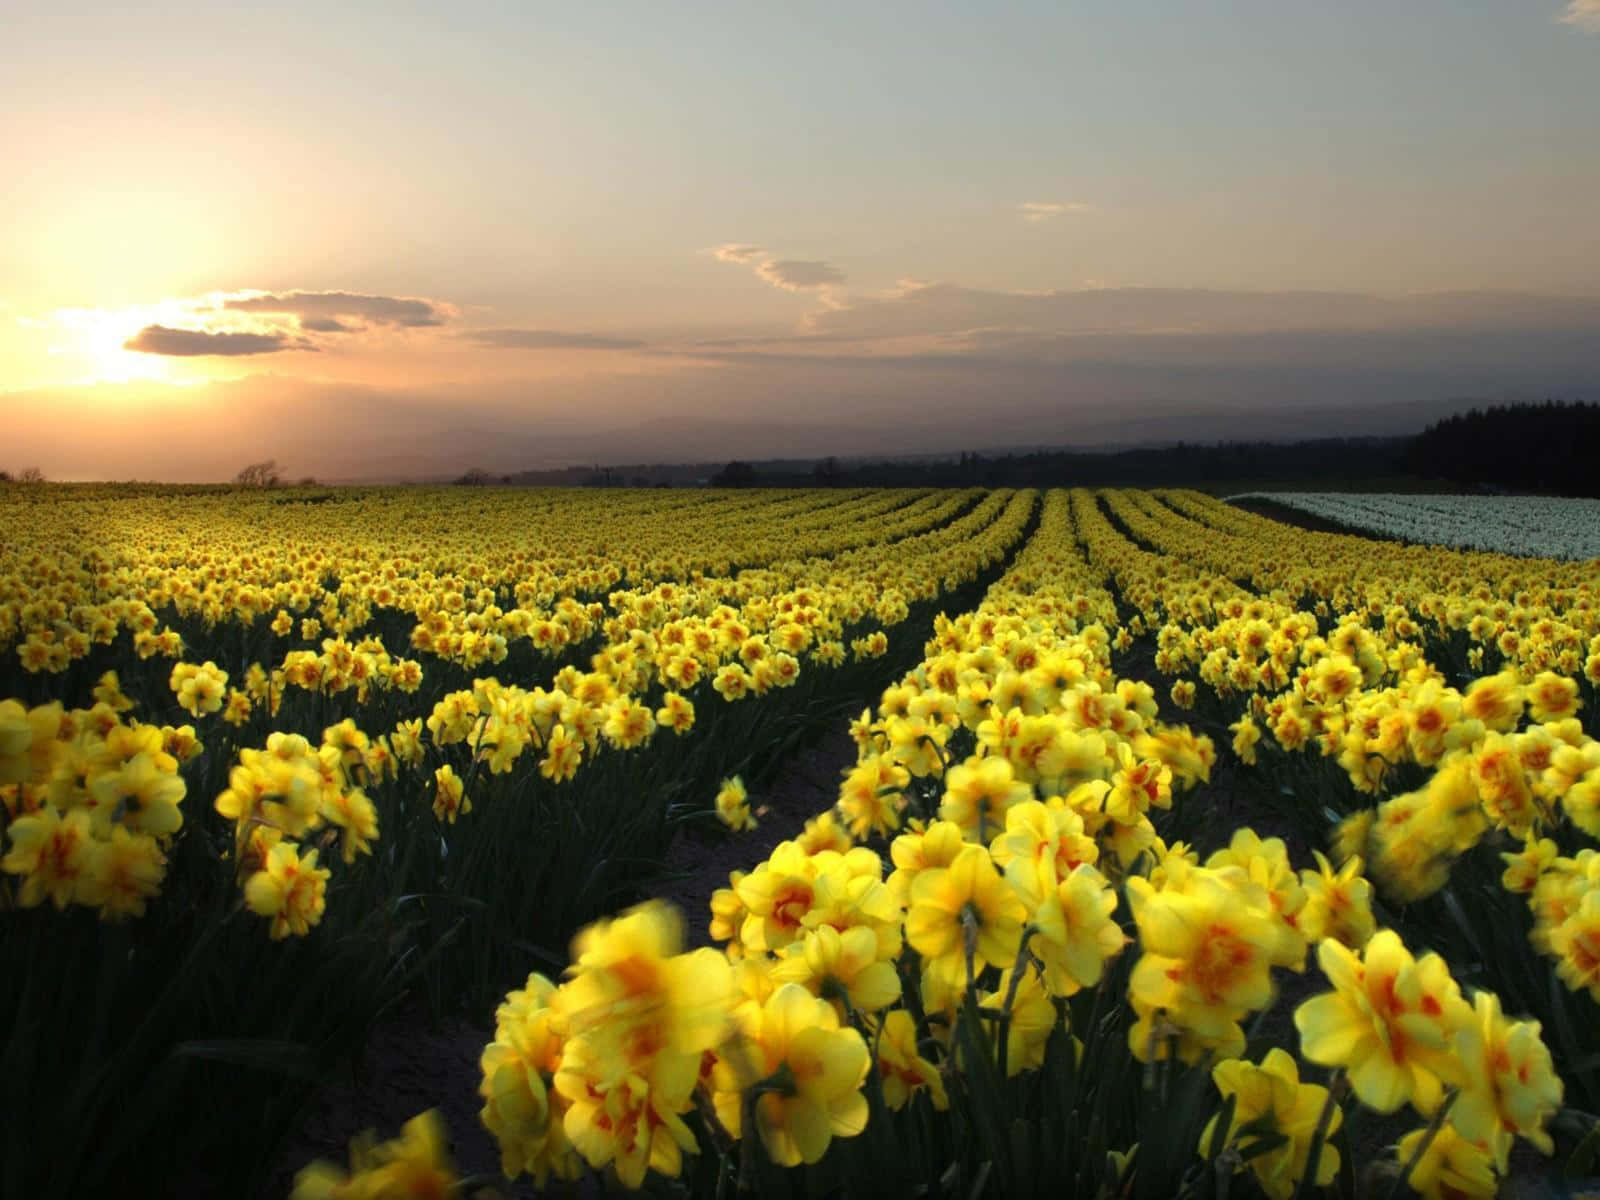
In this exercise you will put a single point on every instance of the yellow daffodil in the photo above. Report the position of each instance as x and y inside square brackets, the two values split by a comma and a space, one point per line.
[1271, 1099]
[289, 889]
[966, 910]
[733, 805]
[802, 1075]
[1390, 1020]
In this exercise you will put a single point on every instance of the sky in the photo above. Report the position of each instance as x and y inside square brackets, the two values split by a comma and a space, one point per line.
[405, 239]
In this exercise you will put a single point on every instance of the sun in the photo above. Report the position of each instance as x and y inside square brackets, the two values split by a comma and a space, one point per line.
[89, 346]
[85, 346]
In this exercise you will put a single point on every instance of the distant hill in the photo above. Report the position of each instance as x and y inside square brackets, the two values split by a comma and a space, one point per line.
[1549, 447]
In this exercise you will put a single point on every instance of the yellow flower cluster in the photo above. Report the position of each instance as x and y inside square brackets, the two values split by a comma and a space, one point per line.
[292, 792]
[671, 598]
[1269, 1101]
[1014, 776]
[1354, 679]
[1003, 887]
[414, 1166]
[732, 805]
[75, 576]
[1564, 894]
[92, 803]
[993, 847]
[1401, 1029]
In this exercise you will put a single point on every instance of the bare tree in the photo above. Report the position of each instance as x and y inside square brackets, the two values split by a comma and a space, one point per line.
[259, 474]
[30, 475]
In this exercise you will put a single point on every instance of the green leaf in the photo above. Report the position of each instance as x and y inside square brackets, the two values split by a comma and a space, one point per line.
[1582, 1066]
[1580, 1163]
[1560, 1018]
[1264, 1144]
[984, 1088]
[291, 1059]
[1022, 1140]
[1219, 1132]
[1266, 1123]
[1462, 923]
[542, 953]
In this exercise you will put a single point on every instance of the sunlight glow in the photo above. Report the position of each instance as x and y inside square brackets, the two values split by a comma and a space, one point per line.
[88, 344]
[90, 340]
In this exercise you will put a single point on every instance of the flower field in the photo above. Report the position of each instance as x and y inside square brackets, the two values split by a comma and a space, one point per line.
[1529, 526]
[1183, 853]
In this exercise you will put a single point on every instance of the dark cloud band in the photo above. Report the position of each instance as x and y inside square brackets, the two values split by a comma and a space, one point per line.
[379, 310]
[547, 339]
[193, 343]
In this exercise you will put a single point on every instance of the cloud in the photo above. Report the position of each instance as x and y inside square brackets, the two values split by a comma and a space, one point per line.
[325, 325]
[1582, 14]
[922, 309]
[799, 275]
[190, 343]
[547, 339]
[1038, 211]
[407, 311]
[1300, 358]
[789, 274]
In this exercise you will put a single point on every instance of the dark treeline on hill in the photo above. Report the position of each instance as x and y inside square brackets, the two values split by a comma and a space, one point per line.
[1372, 461]
[1549, 447]
[1184, 464]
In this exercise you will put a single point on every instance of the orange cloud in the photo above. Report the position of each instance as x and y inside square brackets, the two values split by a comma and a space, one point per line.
[1583, 14]
[788, 274]
[1038, 211]
[799, 275]
[547, 339]
[192, 343]
[408, 311]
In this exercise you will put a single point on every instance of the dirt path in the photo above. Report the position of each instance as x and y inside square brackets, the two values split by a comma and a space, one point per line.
[699, 860]
[406, 1069]
[1285, 515]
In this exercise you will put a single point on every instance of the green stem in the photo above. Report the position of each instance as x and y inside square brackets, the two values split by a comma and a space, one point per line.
[719, 1132]
[969, 940]
[1226, 1164]
[748, 1141]
[1319, 1138]
[1004, 1048]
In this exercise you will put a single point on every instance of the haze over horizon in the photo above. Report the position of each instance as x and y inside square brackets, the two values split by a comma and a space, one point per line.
[396, 240]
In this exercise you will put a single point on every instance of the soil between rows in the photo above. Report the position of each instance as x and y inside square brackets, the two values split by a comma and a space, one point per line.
[1286, 515]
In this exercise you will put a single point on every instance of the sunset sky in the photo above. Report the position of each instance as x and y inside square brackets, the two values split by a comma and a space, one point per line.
[404, 239]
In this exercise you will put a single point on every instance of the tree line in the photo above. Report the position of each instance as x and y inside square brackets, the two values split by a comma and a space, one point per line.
[1550, 447]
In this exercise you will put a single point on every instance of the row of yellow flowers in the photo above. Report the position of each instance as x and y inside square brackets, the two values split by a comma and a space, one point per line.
[92, 795]
[1013, 777]
[83, 565]
[1507, 753]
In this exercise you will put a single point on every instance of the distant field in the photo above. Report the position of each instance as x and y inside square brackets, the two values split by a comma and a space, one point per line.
[1111, 796]
[1527, 526]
